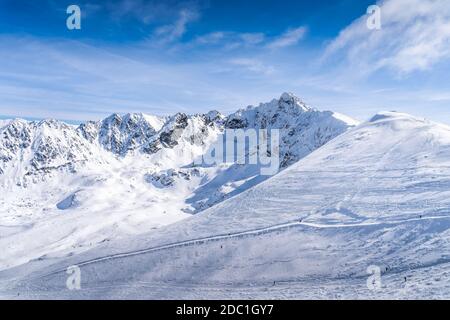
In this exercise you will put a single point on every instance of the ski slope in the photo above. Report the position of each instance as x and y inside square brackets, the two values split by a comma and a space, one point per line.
[376, 195]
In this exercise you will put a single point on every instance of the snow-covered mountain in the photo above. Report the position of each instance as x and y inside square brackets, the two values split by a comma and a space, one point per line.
[31, 148]
[374, 198]
[125, 175]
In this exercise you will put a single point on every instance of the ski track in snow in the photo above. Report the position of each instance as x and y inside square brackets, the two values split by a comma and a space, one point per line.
[242, 234]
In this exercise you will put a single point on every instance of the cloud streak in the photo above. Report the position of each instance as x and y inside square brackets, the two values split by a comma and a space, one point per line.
[147, 11]
[253, 65]
[177, 29]
[289, 38]
[415, 35]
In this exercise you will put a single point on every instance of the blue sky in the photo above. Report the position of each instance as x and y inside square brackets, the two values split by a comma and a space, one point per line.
[162, 57]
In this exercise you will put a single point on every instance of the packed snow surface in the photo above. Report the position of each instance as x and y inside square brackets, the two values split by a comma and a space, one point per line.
[375, 196]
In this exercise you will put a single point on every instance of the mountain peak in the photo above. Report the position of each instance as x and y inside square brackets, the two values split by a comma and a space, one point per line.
[214, 115]
[386, 115]
[115, 117]
[394, 117]
[288, 98]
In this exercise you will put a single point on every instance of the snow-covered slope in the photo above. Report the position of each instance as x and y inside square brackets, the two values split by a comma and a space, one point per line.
[67, 188]
[377, 195]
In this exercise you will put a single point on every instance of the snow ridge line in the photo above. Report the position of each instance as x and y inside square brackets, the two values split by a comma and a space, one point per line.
[253, 232]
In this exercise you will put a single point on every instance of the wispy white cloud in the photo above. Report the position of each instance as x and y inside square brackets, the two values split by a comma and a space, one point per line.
[235, 40]
[77, 81]
[230, 40]
[211, 38]
[177, 29]
[414, 36]
[252, 38]
[253, 65]
[147, 11]
[289, 38]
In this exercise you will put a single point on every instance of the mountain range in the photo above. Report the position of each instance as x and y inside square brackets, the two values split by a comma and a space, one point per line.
[132, 173]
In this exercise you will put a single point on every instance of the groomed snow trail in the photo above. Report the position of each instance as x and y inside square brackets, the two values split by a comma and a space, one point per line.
[254, 232]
